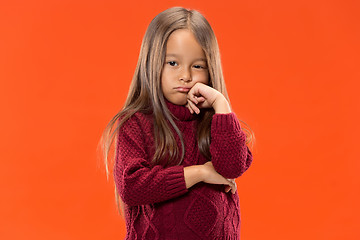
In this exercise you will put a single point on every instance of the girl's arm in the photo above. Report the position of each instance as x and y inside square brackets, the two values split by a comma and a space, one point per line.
[230, 155]
[137, 182]
[193, 175]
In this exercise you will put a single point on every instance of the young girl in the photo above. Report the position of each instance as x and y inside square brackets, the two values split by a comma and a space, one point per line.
[179, 147]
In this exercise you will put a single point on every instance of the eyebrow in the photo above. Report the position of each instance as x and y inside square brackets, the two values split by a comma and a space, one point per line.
[175, 55]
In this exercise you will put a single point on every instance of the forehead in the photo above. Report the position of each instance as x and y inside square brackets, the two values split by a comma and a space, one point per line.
[183, 43]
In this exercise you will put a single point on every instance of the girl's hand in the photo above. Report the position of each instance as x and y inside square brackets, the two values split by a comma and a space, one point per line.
[211, 176]
[228, 188]
[201, 96]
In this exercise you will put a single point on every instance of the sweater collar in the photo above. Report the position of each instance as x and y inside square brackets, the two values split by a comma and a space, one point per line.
[180, 111]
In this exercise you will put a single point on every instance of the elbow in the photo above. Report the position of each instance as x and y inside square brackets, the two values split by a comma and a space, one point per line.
[242, 171]
[125, 191]
[127, 196]
[235, 170]
[246, 164]
[231, 172]
[127, 199]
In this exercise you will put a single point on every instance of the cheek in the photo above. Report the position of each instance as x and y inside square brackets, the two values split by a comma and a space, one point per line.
[165, 74]
[165, 81]
[201, 77]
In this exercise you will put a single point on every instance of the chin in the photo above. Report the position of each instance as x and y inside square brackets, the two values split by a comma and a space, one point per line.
[178, 101]
[181, 102]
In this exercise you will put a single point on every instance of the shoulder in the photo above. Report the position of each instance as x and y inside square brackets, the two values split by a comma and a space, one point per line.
[139, 121]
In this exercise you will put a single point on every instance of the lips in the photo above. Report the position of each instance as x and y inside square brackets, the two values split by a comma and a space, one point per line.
[182, 89]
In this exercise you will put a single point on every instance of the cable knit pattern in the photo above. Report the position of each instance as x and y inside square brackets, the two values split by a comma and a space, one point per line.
[157, 203]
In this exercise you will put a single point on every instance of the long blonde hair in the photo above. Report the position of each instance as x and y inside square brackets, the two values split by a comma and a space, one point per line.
[145, 94]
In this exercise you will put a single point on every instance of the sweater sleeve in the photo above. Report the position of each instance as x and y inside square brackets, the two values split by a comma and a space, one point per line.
[230, 155]
[137, 182]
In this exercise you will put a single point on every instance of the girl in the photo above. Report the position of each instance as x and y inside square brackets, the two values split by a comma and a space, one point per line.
[178, 102]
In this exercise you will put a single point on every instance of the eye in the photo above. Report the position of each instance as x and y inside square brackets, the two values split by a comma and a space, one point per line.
[172, 63]
[198, 66]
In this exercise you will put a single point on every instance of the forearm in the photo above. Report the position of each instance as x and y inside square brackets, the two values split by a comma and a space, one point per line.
[193, 175]
[228, 149]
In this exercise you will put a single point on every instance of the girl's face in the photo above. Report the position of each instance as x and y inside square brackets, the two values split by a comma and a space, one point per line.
[185, 64]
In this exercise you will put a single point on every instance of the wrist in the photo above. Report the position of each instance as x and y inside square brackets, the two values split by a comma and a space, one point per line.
[193, 174]
[221, 105]
[201, 171]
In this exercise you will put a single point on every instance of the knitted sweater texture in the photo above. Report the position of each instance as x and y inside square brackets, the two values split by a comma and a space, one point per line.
[157, 203]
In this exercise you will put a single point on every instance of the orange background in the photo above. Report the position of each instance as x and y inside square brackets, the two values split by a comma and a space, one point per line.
[292, 73]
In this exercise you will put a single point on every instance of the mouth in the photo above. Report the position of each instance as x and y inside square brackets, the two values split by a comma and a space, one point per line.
[183, 89]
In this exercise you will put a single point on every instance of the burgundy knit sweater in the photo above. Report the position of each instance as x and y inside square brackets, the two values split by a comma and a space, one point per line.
[157, 203]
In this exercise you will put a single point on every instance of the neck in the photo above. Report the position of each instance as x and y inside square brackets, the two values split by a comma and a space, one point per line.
[180, 111]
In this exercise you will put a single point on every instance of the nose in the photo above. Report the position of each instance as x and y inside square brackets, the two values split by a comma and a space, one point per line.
[185, 75]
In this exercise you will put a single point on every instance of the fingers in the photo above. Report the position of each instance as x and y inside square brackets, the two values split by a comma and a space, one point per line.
[188, 106]
[228, 188]
[196, 99]
[192, 102]
[232, 186]
[213, 177]
[200, 99]
[193, 98]
[192, 93]
[192, 107]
